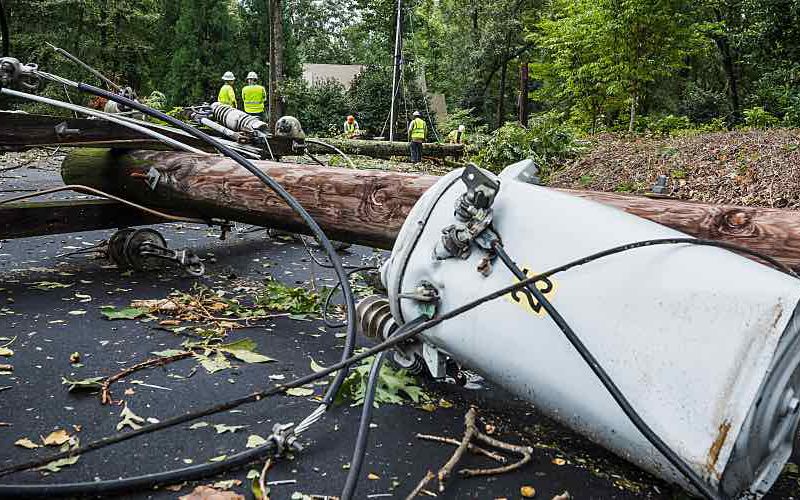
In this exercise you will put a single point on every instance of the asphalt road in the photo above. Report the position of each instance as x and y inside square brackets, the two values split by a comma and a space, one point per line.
[34, 402]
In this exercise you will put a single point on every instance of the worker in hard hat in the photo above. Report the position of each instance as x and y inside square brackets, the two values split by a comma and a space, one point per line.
[254, 96]
[457, 136]
[350, 127]
[226, 94]
[417, 131]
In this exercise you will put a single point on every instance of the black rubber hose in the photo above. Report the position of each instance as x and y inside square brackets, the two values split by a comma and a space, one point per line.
[148, 481]
[360, 449]
[4, 30]
[350, 340]
[673, 458]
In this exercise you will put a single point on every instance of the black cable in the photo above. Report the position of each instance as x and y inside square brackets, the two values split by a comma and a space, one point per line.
[360, 449]
[673, 458]
[350, 340]
[6, 490]
[326, 304]
[4, 30]
[147, 481]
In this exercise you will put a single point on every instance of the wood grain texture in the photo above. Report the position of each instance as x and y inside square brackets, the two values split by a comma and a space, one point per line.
[23, 220]
[369, 207]
[361, 206]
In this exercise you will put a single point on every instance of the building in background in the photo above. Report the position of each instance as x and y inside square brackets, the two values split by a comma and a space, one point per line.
[342, 73]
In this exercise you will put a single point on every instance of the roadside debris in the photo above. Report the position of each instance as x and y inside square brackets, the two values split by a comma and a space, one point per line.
[471, 432]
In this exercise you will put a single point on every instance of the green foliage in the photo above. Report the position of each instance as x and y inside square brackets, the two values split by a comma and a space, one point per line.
[395, 386]
[321, 107]
[277, 296]
[758, 117]
[667, 125]
[546, 139]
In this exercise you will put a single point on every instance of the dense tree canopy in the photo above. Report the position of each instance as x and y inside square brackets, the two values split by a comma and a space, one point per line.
[597, 64]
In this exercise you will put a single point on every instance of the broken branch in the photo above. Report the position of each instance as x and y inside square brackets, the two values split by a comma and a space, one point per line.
[105, 391]
[471, 447]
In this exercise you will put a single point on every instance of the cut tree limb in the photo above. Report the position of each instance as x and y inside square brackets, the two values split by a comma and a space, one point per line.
[369, 206]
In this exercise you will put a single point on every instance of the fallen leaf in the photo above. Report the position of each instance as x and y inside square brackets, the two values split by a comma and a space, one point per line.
[254, 441]
[209, 493]
[227, 484]
[219, 458]
[129, 419]
[168, 353]
[316, 367]
[5, 351]
[26, 443]
[245, 351]
[252, 474]
[198, 425]
[428, 407]
[563, 496]
[129, 391]
[373, 477]
[77, 312]
[162, 305]
[443, 403]
[558, 461]
[170, 322]
[175, 487]
[56, 438]
[112, 313]
[527, 491]
[222, 428]
[300, 392]
[490, 429]
[82, 384]
[57, 465]
[75, 357]
[50, 285]
[213, 364]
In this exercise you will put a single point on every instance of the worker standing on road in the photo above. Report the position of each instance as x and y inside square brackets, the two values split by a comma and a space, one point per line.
[457, 136]
[350, 127]
[417, 131]
[254, 96]
[226, 94]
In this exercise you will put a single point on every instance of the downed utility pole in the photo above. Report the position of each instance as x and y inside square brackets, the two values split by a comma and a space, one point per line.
[384, 149]
[21, 131]
[369, 206]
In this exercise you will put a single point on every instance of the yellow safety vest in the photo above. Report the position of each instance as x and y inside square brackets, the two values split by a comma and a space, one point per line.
[227, 96]
[350, 128]
[419, 129]
[254, 97]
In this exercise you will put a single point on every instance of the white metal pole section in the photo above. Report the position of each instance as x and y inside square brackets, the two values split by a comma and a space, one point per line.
[397, 38]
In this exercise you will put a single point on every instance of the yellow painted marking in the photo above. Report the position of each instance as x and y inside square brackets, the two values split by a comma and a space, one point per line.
[526, 301]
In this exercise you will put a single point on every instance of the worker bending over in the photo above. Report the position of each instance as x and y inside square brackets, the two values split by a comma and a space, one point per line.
[227, 95]
[351, 127]
[417, 131]
[254, 96]
[457, 136]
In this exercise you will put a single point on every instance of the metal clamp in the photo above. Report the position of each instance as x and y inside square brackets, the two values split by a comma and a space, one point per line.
[14, 74]
[63, 131]
[284, 438]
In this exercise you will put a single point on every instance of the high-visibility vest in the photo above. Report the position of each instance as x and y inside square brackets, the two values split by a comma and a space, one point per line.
[350, 128]
[227, 96]
[254, 97]
[418, 129]
[456, 137]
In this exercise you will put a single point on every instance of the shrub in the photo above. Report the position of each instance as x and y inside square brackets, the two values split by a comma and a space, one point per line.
[758, 117]
[670, 124]
[321, 107]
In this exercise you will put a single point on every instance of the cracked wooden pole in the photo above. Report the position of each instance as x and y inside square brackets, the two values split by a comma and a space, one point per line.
[369, 206]
[385, 149]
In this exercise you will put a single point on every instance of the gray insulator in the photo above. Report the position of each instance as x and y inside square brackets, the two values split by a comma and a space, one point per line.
[236, 120]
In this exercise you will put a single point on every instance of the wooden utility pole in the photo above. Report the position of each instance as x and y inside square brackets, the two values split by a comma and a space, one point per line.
[276, 61]
[523, 94]
[397, 70]
[369, 206]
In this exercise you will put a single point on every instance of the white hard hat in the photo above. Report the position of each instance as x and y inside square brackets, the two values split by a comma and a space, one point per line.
[252, 76]
[461, 128]
[416, 113]
[228, 76]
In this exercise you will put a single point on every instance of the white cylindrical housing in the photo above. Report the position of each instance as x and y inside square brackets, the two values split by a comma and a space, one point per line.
[702, 342]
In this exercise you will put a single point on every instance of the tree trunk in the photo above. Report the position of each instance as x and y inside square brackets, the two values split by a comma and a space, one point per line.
[729, 65]
[523, 94]
[501, 101]
[386, 149]
[4, 31]
[632, 121]
[369, 207]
